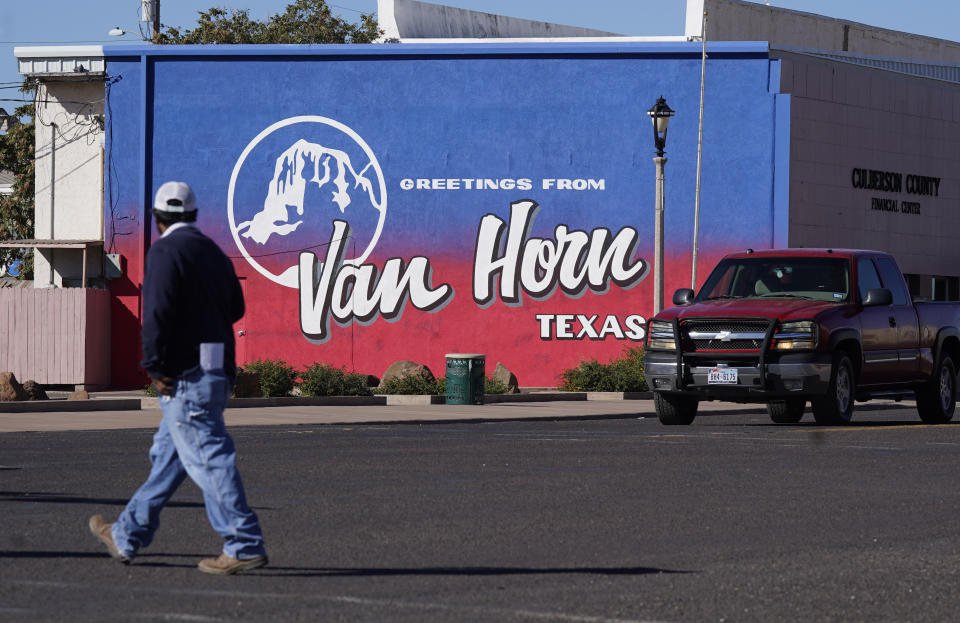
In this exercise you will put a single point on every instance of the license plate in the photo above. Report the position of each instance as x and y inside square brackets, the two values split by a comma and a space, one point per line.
[722, 376]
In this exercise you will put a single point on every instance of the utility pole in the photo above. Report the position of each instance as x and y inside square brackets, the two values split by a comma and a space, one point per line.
[150, 12]
[696, 208]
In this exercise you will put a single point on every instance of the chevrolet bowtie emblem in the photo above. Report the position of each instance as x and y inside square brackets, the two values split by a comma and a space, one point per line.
[723, 336]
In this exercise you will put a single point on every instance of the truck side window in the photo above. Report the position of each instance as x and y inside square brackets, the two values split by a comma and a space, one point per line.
[867, 277]
[892, 281]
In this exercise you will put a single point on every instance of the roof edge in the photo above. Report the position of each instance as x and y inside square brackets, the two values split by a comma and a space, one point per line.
[53, 51]
[572, 45]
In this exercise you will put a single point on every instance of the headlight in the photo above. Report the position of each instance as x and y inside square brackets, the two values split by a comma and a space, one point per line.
[660, 335]
[796, 335]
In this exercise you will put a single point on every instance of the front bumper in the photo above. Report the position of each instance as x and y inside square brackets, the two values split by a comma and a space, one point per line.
[781, 376]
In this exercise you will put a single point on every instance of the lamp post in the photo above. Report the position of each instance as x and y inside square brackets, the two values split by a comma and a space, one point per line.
[660, 116]
[119, 32]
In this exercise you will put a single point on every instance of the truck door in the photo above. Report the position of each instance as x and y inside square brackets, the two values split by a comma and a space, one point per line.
[908, 330]
[878, 331]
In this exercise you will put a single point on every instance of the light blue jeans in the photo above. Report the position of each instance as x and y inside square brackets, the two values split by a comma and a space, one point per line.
[193, 441]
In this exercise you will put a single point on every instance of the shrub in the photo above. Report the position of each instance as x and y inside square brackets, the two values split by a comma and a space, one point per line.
[494, 386]
[355, 384]
[276, 377]
[410, 384]
[622, 374]
[322, 379]
[150, 390]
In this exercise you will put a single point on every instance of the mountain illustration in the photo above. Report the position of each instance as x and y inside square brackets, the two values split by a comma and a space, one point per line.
[297, 171]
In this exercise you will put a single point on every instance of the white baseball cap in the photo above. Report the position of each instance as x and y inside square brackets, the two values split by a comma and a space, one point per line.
[175, 197]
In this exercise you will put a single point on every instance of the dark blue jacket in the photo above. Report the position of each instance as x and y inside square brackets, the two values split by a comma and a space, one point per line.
[191, 295]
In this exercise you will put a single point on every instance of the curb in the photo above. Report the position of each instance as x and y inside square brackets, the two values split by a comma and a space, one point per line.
[415, 399]
[151, 403]
[307, 401]
[538, 397]
[619, 395]
[63, 405]
[290, 401]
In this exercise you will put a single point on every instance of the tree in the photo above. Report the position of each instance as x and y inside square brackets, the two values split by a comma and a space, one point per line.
[304, 21]
[16, 210]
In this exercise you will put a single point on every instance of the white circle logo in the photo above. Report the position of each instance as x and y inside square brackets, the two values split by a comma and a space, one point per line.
[291, 182]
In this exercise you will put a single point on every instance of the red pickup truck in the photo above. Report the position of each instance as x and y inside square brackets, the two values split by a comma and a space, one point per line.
[788, 326]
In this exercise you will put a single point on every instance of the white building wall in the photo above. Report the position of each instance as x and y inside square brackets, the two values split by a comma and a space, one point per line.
[69, 177]
[736, 20]
[845, 117]
[411, 19]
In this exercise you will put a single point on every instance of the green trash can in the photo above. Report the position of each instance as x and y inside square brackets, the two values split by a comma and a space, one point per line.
[466, 376]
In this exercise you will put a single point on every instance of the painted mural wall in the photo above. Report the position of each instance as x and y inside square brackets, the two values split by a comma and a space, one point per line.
[404, 202]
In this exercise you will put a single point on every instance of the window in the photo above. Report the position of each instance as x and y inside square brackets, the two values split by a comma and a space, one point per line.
[933, 287]
[867, 276]
[818, 278]
[892, 281]
[939, 287]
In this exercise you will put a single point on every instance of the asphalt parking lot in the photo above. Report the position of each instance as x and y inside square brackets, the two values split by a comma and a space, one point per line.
[606, 519]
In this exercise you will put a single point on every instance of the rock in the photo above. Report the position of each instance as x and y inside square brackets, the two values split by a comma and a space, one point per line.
[407, 368]
[10, 389]
[247, 385]
[80, 395]
[35, 391]
[507, 377]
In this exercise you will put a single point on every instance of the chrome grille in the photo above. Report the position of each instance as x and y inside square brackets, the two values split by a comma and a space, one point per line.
[722, 334]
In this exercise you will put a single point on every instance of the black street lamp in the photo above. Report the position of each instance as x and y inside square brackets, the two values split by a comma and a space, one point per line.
[660, 116]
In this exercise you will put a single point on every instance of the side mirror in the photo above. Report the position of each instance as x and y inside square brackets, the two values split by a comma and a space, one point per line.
[683, 296]
[877, 297]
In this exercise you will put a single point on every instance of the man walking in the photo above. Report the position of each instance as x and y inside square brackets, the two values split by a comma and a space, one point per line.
[191, 298]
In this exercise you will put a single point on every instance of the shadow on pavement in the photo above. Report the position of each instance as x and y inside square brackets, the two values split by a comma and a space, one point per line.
[144, 560]
[462, 571]
[62, 498]
[853, 424]
[36, 554]
[141, 561]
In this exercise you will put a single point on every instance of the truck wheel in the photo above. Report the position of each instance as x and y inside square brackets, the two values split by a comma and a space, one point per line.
[937, 400]
[674, 410]
[788, 411]
[836, 407]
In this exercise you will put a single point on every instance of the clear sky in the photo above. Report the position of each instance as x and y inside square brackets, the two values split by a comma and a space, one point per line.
[77, 22]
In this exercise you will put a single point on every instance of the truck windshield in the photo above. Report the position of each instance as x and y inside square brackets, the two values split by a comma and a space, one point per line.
[816, 278]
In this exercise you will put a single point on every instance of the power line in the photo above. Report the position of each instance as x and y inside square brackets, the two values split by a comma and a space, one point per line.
[346, 8]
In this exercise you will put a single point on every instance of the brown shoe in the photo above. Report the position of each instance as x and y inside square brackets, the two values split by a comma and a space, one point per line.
[228, 565]
[101, 529]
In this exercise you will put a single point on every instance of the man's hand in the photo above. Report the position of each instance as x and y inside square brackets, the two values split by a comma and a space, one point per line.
[165, 385]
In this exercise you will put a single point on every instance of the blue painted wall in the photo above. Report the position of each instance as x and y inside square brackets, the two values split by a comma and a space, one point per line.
[523, 112]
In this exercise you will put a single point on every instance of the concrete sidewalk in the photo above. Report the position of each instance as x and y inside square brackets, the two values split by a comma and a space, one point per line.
[361, 414]
[397, 414]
